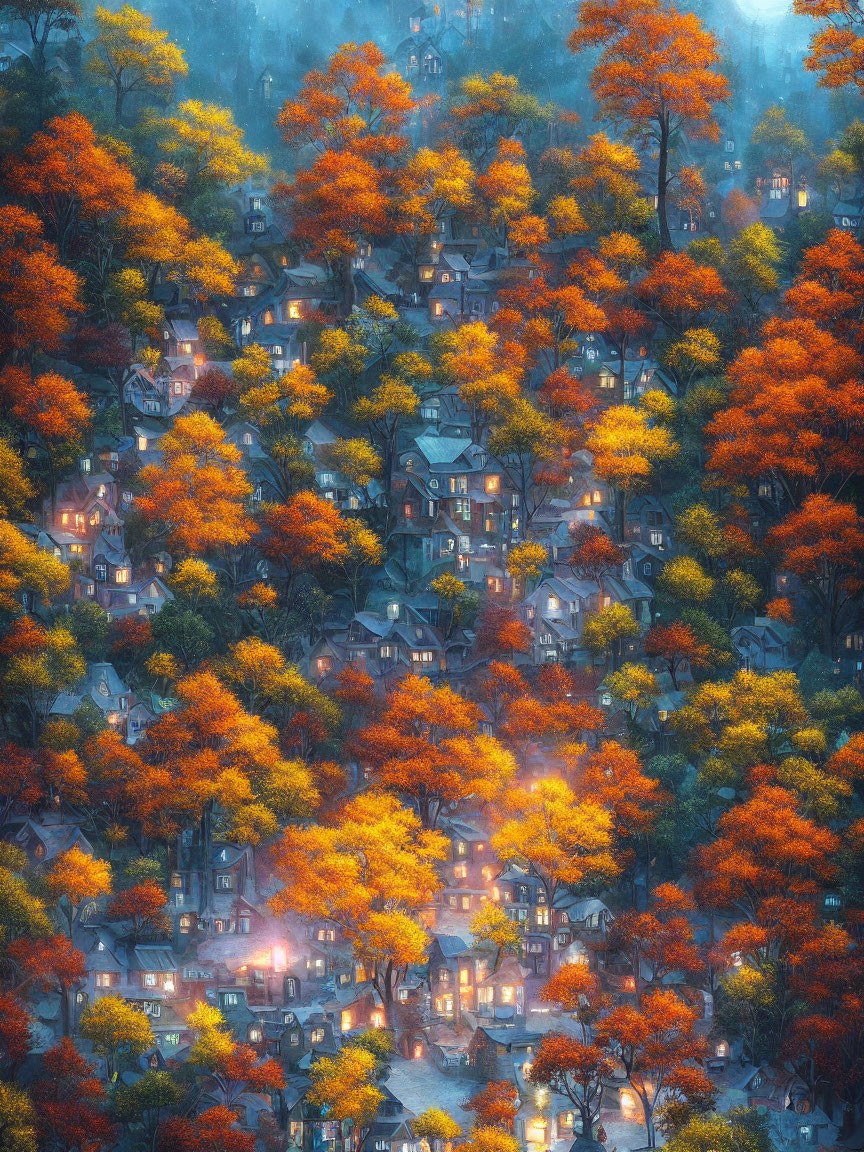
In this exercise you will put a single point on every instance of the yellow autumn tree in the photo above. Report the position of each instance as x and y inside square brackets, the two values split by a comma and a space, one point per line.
[133, 55]
[562, 839]
[26, 568]
[204, 140]
[626, 447]
[370, 871]
[75, 877]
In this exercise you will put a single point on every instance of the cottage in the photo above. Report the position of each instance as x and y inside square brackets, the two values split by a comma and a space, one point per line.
[764, 645]
[104, 688]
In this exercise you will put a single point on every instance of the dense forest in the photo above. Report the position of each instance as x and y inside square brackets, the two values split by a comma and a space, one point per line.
[431, 571]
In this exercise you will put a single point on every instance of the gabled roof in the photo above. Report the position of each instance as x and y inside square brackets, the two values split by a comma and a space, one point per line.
[182, 329]
[150, 958]
[442, 449]
[451, 945]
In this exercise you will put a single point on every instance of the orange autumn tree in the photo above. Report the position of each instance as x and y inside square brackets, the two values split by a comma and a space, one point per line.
[765, 849]
[550, 717]
[308, 534]
[354, 114]
[427, 746]
[48, 405]
[495, 1106]
[829, 286]
[71, 1102]
[657, 74]
[574, 1069]
[546, 317]
[213, 763]
[49, 964]
[769, 862]
[679, 291]
[370, 871]
[578, 992]
[658, 941]
[213, 1130]
[38, 296]
[612, 776]
[658, 1048]
[822, 543]
[72, 181]
[677, 644]
[795, 413]
[505, 190]
[837, 47]
[195, 497]
[230, 1070]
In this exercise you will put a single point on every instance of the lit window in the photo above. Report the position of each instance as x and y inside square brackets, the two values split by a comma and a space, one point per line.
[121, 576]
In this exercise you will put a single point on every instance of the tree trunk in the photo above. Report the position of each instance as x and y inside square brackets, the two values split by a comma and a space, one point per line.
[662, 182]
[348, 297]
[119, 96]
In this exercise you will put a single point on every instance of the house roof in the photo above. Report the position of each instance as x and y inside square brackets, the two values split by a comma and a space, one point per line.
[148, 959]
[442, 449]
[182, 329]
[451, 945]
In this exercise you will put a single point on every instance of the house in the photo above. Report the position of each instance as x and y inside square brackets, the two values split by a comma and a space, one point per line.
[455, 973]
[470, 868]
[500, 995]
[228, 903]
[181, 342]
[449, 284]
[785, 1100]
[145, 709]
[100, 686]
[555, 612]
[849, 214]
[42, 841]
[579, 918]
[147, 435]
[764, 645]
